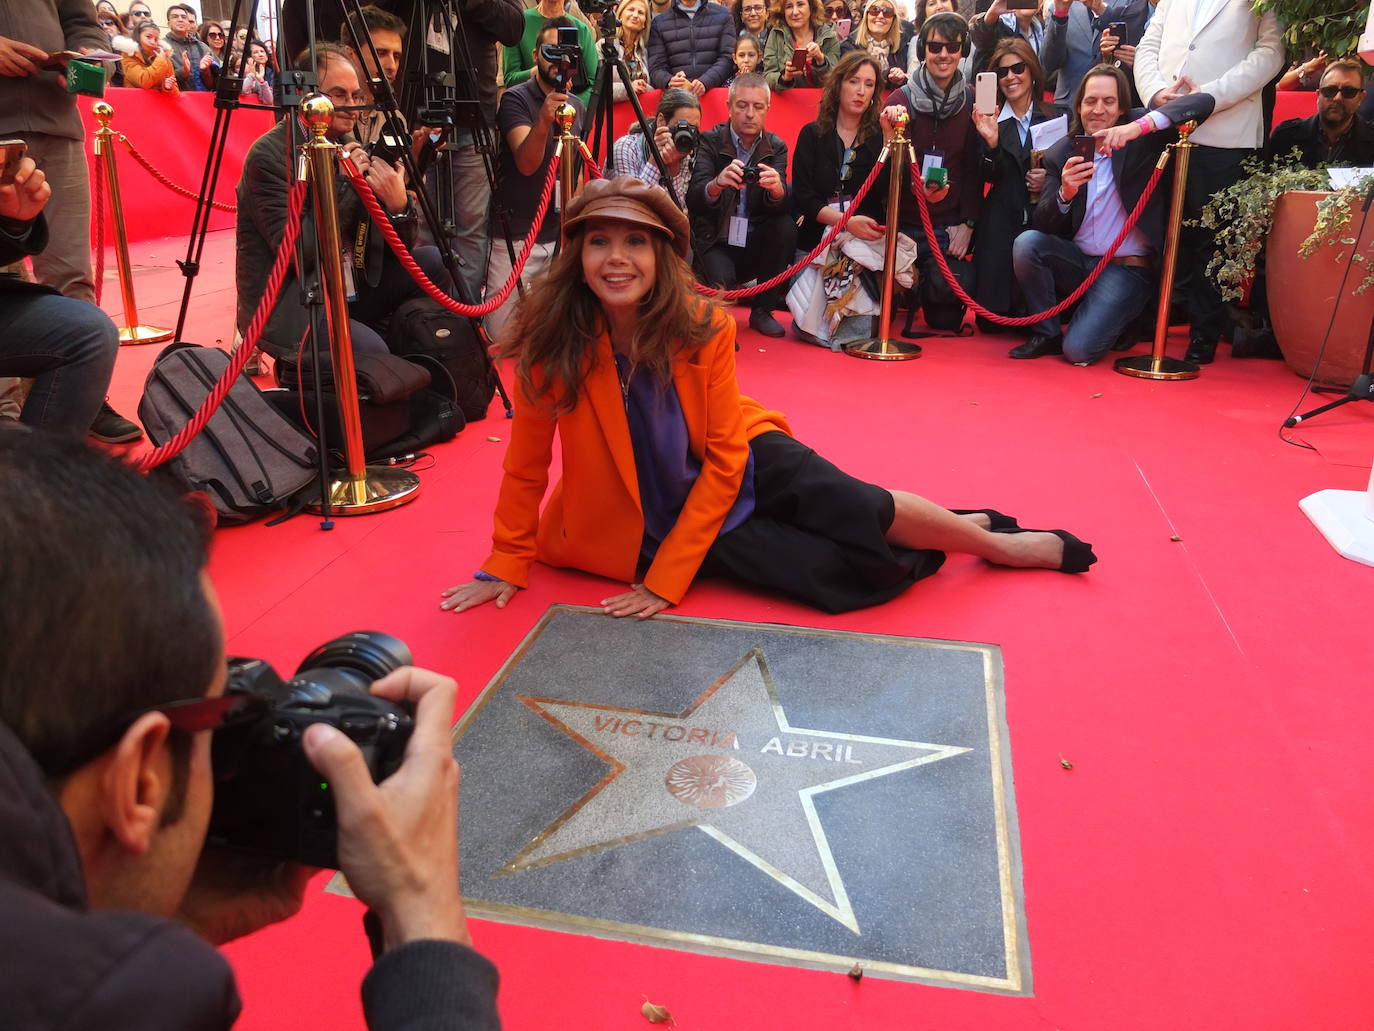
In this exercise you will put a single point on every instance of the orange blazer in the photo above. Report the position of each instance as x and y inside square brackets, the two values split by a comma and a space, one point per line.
[594, 520]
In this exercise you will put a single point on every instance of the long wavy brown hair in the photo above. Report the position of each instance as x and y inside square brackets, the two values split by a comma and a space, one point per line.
[557, 324]
[829, 106]
[1018, 46]
[778, 20]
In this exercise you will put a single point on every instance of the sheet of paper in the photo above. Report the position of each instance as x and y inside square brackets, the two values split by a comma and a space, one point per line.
[1045, 135]
[1343, 177]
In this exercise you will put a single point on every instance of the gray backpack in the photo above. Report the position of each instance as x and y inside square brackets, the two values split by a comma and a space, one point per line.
[248, 459]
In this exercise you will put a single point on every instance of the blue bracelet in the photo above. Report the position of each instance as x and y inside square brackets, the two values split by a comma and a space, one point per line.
[479, 575]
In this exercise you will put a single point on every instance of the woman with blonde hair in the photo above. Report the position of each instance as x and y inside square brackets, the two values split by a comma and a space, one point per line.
[668, 471]
[632, 40]
[879, 35]
[801, 47]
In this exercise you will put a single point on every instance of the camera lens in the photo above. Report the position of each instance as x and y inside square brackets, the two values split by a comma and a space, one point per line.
[684, 137]
[368, 652]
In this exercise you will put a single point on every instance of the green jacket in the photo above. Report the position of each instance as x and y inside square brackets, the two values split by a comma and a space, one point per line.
[777, 54]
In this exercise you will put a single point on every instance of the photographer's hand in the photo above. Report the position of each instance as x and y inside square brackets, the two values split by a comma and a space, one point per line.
[771, 181]
[233, 894]
[398, 840]
[731, 176]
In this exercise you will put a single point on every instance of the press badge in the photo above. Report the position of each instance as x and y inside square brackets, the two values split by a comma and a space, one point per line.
[840, 202]
[346, 261]
[739, 231]
[931, 159]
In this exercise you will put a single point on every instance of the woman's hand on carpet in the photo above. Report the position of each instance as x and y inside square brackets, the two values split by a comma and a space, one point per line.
[637, 601]
[461, 597]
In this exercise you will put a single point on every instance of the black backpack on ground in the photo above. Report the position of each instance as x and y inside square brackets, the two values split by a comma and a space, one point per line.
[248, 459]
[422, 328]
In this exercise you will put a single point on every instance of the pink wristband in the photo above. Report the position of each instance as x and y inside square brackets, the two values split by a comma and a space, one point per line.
[1146, 123]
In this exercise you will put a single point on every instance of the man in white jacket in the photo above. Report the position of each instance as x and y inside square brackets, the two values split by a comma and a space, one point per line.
[1224, 48]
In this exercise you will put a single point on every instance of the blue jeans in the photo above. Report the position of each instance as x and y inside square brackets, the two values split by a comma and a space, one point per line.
[1051, 267]
[68, 347]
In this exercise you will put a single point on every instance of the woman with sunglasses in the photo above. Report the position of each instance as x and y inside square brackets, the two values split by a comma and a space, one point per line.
[999, 22]
[149, 66]
[802, 48]
[1012, 171]
[116, 32]
[668, 471]
[879, 35]
[215, 38]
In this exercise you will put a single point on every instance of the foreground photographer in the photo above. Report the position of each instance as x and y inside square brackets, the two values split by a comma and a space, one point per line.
[105, 779]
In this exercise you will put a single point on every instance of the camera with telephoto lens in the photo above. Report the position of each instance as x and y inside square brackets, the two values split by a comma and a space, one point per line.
[750, 174]
[684, 135]
[269, 799]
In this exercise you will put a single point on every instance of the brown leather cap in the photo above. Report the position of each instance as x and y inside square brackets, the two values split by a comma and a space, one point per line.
[627, 199]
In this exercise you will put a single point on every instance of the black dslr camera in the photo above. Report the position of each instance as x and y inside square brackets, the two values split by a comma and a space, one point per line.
[684, 135]
[269, 800]
[565, 55]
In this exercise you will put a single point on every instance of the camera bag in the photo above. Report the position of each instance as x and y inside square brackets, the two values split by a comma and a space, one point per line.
[248, 459]
[423, 329]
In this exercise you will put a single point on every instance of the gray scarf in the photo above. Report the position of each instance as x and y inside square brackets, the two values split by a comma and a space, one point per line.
[926, 97]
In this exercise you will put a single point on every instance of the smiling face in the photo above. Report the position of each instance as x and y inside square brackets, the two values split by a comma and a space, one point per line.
[879, 17]
[856, 92]
[1100, 107]
[942, 57]
[180, 23]
[936, 6]
[1014, 84]
[619, 265]
[753, 14]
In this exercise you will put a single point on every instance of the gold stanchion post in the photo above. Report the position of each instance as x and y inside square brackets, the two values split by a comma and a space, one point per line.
[565, 152]
[1156, 364]
[883, 347]
[360, 489]
[131, 332]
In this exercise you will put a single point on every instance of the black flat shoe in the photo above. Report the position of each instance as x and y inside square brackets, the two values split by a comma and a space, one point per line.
[1201, 351]
[1038, 347]
[1078, 555]
[996, 520]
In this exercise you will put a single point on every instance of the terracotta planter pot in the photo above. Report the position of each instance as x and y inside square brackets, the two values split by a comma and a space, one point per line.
[1302, 292]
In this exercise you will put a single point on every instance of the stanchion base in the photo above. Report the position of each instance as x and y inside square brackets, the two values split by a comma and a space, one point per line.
[379, 488]
[1147, 366]
[883, 349]
[143, 335]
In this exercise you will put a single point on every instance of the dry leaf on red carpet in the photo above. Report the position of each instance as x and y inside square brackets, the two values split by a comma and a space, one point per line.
[656, 1014]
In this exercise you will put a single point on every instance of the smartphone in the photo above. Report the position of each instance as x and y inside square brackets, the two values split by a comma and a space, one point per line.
[843, 26]
[799, 59]
[937, 176]
[1023, 5]
[11, 154]
[1117, 29]
[1083, 147]
[985, 93]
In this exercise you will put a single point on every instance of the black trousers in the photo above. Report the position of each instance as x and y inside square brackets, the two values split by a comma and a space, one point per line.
[1210, 169]
[768, 251]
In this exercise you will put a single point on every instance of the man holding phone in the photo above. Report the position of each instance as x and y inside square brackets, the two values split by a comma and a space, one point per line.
[1093, 181]
[947, 156]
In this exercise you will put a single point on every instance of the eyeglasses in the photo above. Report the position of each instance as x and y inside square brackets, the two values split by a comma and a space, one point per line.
[1019, 68]
[939, 46]
[342, 97]
[882, 12]
[836, 12]
[1345, 92]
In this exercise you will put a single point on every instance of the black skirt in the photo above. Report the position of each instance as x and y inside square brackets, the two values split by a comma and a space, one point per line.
[817, 534]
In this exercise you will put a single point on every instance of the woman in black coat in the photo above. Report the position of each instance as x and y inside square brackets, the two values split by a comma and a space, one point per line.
[835, 153]
[1008, 169]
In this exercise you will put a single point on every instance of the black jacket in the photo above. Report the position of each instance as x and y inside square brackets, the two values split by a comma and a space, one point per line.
[816, 178]
[67, 967]
[1355, 149]
[12, 249]
[1132, 167]
[715, 150]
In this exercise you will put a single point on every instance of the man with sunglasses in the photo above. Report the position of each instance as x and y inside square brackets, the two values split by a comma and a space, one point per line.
[1336, 134]
[106, 720]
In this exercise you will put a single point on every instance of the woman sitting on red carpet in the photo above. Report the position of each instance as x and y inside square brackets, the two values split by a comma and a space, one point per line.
[668, 471]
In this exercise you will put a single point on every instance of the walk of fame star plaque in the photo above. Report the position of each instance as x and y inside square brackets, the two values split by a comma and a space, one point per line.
[775, 793]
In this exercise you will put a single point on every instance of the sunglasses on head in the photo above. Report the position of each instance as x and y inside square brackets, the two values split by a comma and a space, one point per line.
[1019, 68]
[1345, 92]
[882, 12]
[836, 11]
[939, 46]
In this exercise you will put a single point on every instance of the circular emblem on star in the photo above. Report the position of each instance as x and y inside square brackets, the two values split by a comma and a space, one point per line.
[711, 781]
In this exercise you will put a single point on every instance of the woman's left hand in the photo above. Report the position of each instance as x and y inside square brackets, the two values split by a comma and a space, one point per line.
[637, 601]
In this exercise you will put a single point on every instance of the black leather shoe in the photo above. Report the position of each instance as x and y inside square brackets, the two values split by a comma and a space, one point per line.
[1037, 347]
[1201, 351]
[762, 321]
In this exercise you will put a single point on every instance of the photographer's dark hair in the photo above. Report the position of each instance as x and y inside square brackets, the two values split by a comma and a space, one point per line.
[830, 95]
[561, 22]
[1123, 95]
[102, 611]
[367, 19]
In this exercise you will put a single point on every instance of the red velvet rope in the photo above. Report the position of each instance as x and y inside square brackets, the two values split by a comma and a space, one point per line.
[820, 248]
[1067, 302]
[471, 311]
[285, 255]
[217, 205]
[99, 228]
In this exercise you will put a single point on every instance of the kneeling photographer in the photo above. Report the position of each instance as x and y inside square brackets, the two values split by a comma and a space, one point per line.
[113, 687]
[676, 131]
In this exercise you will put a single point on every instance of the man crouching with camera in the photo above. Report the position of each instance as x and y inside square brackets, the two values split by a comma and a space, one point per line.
[112, 688]
[676, 130]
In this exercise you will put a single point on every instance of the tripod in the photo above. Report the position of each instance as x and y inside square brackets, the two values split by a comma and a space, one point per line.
[603, 100]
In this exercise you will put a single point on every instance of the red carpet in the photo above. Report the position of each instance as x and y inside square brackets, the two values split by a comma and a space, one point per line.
[1205, 862]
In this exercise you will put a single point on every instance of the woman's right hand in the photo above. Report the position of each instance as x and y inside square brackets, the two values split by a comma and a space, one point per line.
[865, 228]
[462, 597]
[986, 124]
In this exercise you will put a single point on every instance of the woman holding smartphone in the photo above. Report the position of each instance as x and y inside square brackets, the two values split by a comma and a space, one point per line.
[802, 46]
[1012, 171]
